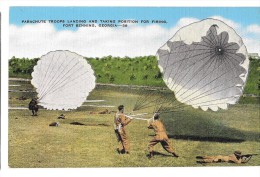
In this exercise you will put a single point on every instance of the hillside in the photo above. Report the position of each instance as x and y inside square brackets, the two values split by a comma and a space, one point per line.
[130, 71]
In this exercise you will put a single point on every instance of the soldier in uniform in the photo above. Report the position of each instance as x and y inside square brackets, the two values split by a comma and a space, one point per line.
[62, 116]
[33, 107]
[237, 157]
[120, 122]
[160, 136]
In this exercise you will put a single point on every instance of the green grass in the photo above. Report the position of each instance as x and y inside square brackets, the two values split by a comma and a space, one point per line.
[131, 71]
[253, 79]
[192, 132]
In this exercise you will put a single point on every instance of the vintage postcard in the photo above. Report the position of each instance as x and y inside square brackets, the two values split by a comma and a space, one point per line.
[133, 87]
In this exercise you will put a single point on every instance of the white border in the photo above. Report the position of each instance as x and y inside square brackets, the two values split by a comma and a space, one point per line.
[43, 172]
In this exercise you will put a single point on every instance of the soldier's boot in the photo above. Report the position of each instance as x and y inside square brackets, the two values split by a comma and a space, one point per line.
[150, 155]
[123, 151]
[175, 155]
[118, 150]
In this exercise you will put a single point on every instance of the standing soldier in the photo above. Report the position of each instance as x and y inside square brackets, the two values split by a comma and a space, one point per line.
[33, 107]
[160, 136]
[121, 120]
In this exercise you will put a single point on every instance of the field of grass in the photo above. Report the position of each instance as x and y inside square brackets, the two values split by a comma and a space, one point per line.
[192, 132]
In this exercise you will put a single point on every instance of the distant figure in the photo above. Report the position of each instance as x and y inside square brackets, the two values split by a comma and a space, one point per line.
[120, 121]
[62, 116]
[237, 157]
[160, 136]
[54, 124]
[33, 107]
[22, 98]
[100, 112]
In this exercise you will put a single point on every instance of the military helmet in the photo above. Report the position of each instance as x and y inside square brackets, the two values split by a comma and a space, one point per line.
[238, 153]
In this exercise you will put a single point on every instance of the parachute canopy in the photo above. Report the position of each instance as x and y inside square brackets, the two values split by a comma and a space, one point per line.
[63, 80]
[205, 64]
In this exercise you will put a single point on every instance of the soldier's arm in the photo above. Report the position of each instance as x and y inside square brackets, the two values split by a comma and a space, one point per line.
[246, 158]
[150, 126]
[124, 121]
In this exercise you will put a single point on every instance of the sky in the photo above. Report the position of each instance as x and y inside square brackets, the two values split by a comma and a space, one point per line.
[32, 40]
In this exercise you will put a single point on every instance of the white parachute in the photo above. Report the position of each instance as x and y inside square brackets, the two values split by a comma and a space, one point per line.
[63, 80]
[205, 64]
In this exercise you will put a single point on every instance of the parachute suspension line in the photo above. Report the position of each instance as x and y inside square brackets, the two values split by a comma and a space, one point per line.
[167, 99]
[61, 86]
[173, 67]
[47, 82]
[196, 73]
[232, 65]
[142, 104]
[62, 83]
[205, 77]
[187, 72]
[174, 86]
[53, 80]
[45, 73]
[199, 96]
[145, 105]
[164, 69]
[174, 80]
[186, 58]
[68, 82]
[142, 99]
[60, 79]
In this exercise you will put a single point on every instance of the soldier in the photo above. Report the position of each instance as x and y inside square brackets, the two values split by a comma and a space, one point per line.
[33, 107]
[120, 121]
[237, 157]
[62, 116]
[160, 136]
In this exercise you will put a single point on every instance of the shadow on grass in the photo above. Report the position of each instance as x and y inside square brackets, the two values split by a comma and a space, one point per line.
[211, 139]
[89, 124]
[155, 153]
[201, 127]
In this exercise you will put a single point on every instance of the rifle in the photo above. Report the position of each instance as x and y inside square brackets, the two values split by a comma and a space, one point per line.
[245, 158]
[251, 154]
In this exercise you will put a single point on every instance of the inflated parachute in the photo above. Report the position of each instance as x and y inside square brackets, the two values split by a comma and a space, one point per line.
[63, 80]
[205, 64]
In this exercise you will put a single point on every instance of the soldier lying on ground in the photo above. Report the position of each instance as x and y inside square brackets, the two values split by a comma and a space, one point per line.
[62, 116]
[237, 157]
[100, 112]
[33, 107]
[160, 137]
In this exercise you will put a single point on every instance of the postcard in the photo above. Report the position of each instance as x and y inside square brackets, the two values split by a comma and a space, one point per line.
[133, 87]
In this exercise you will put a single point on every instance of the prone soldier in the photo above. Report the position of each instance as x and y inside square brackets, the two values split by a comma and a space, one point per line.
[237, 157]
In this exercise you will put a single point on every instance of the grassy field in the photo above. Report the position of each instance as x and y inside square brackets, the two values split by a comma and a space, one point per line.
[192, 132]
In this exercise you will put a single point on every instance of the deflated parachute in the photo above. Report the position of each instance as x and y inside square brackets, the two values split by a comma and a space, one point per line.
[205, 64]
[63, 80]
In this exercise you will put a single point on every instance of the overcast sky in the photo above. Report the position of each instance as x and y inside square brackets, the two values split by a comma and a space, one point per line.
[34, 40]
